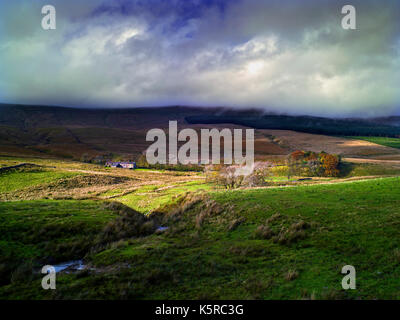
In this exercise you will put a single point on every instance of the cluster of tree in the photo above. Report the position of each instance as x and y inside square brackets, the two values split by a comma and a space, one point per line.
[224, 176]
[235, 176]
[313, 164]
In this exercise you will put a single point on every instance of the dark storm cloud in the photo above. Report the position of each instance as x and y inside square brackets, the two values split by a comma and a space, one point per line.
[289, 56]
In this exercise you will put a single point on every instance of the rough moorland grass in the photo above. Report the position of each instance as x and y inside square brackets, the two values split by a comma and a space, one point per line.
[351, 223]
[36, 233]
[384, 141]
[308, 234]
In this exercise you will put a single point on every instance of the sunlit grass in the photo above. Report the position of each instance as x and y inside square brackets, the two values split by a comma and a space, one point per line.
[384, 141]
[149, 198]
[15, 180]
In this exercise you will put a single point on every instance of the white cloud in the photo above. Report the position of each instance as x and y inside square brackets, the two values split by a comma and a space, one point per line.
[257, 54]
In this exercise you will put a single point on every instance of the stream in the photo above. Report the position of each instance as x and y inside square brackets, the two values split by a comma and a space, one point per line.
[74, 265]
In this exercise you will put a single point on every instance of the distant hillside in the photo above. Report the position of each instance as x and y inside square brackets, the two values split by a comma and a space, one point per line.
[60, 132]
[390, 121]
[25, 116]
[316, 125]
[74, 133]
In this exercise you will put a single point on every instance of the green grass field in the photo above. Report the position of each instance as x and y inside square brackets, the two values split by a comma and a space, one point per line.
[354, 224]
[19, 179]
[212, 249]
[46, 231]
[150, 198]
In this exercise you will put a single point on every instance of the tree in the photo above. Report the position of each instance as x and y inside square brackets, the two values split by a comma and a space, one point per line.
[330, 164]
[295, 162]
[313, 164]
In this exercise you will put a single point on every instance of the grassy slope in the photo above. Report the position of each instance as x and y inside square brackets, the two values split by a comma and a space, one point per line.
[150, 198]
[17, 179]
[384, 141]
[35, 233]
[48, 163]
[350, 223]
[27, 226]
[356, 224]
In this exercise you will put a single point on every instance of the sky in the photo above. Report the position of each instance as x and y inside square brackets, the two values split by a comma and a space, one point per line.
[283, 56]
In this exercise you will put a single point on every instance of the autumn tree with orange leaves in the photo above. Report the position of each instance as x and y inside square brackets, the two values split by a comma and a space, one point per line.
[330, 164]
[313, 164]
